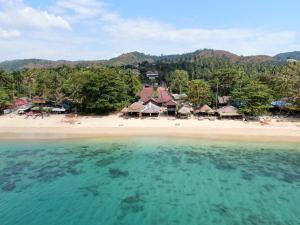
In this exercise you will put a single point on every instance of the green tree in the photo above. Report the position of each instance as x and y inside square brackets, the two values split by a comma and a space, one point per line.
[179, 81]
[101, 90]
[253, 98]
[199, 92]
[4, 98]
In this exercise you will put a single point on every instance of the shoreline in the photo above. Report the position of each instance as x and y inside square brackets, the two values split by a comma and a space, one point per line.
[53, 128]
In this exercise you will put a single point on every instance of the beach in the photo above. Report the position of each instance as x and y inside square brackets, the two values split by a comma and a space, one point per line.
[58, 127]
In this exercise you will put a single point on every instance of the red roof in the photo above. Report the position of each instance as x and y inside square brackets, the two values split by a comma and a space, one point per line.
[146, 93]
[171, 103]
[20, 102]
[163, 95]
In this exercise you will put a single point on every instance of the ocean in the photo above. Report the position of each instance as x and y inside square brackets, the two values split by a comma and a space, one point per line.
[148, 181]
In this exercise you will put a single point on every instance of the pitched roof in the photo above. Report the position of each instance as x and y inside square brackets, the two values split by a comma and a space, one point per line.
[163, 95]
[151, 108]
[184, 110]
[136, 107]
[204, 109]
[228, 111]
[146, 93]
[171, 103]
[125, 110]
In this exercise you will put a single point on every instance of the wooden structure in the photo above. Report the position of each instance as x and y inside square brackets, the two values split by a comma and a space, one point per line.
[151, 110]
[171, 107]
[205, 110]
[135, 109]
[184, 112]
[229, 112]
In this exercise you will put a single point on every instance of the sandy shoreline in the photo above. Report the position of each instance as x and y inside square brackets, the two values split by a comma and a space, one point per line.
[55, 127]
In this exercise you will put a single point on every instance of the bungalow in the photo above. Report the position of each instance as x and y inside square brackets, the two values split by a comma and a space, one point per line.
[229, 112]
[135, 109]
[205, 110]
[150, 110]
[184, 112]
[171, 107]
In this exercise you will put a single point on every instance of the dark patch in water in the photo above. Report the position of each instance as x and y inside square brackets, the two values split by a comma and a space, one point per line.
[8, 186]
[117, 173]
[247, 176]
[131, 204]
[221, 209]
[93, 190]
[290, 177]
[105, 162]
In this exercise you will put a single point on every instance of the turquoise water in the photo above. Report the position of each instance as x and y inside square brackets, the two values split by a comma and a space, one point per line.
[148, 182]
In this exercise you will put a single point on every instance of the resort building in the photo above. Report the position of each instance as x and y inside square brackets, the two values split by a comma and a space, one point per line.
[229, 112]
[171, 107]
[135, 109]
[184, 113]
[146, 94]
[150, 110]
[204, 110]
[152, 75]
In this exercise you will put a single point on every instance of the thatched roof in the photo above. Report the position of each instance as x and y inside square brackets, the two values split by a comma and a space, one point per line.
[151, 108]
[228, 111]
[125, 110]
[205, 109]
[136, 107]
[184, 110]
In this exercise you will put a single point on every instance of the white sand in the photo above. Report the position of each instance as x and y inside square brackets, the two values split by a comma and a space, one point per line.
[17, 127]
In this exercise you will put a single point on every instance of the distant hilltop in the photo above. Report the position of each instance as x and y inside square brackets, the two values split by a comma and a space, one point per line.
[134, 58]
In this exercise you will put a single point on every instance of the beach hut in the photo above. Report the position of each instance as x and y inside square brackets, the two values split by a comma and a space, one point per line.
[205, 110]
[151, 110]
[229, 112]
[135, 109]
[184, 112]
[124, 111]
[171, 107]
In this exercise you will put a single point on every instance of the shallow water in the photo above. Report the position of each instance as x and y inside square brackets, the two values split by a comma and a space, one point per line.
[148, 182]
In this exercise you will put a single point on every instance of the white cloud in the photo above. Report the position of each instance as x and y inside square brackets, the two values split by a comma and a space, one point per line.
[158, 37]
[16, 14]
[78, 10]
[99, 32]
[5, 34]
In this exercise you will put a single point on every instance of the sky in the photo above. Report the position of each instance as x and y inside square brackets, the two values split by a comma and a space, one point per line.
[101, 29]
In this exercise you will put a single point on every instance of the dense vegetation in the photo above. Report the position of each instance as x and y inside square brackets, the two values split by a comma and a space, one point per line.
[103, 89]
[90, 90]
[134, 58]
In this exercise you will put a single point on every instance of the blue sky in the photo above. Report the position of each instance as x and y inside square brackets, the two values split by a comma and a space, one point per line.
[99, 29]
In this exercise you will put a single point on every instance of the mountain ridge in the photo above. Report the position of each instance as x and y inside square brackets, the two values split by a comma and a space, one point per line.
[133, 58]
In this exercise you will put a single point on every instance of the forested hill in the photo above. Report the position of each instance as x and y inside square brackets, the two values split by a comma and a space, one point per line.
[288, 55]
[137, 57]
